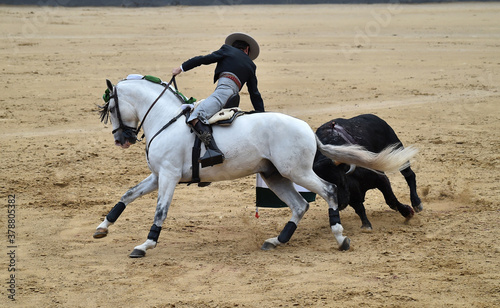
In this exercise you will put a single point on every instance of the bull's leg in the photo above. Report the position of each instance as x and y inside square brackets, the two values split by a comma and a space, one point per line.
[166, 186]
[284, 189]
[148, 185]
[359, 208]
[384, 185]
[356, 201]
[411, 179]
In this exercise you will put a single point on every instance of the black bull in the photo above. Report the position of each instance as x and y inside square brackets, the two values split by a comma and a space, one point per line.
[374, 134]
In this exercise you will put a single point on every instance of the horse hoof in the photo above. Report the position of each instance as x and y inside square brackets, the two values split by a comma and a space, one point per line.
[268, 246]
[100, 233]
[137, 253]
[346, 244]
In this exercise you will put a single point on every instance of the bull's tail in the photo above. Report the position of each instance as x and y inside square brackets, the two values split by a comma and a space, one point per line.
[391, 159]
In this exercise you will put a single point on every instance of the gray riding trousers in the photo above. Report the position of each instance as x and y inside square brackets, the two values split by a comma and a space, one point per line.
[215, 102]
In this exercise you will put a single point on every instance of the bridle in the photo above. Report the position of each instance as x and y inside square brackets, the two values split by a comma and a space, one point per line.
[121, 126]
[128, 129]
[131, 132]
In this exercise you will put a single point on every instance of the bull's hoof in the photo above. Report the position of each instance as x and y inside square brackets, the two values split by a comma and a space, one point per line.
[409, 215]
[100, 233]
[366, 226]
[418, 208]
[366, 229]
[137, 253]
[268, 246]
[406, 211]
[346, 244]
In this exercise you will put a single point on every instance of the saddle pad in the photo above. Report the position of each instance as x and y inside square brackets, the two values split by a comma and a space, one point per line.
[223, 115]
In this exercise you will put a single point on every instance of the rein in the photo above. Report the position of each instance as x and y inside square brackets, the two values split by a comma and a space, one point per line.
[151, 107]
[183, 112]
[136, 131]
[167, 86]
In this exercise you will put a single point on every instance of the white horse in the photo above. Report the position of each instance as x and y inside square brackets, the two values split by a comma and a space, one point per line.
[279, 147]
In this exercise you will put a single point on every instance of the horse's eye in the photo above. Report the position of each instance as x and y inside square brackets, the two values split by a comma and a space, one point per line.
[112, 109]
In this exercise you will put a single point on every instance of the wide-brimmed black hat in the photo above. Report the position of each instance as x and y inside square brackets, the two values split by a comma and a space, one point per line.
[238, 36]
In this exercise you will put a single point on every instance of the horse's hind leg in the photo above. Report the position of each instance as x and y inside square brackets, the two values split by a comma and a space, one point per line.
[334, 216]
[146, 186]
[284, 189]
[411, 179]
[327, 191]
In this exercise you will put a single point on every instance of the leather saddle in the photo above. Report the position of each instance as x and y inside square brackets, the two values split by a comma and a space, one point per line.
[228, 113]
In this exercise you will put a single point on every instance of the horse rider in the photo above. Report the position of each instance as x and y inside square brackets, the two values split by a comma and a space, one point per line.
[234, 68]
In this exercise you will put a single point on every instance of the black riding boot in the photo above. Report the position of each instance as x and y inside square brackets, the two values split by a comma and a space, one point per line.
[213, 155]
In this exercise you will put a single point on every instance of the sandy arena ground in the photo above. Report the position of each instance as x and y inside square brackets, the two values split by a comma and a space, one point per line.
[431, 71]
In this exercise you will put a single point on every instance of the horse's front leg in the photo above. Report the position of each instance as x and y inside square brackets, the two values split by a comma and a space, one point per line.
[146, 186]
[165, 193]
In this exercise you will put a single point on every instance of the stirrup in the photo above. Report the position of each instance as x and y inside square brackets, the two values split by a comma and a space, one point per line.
[211, 157]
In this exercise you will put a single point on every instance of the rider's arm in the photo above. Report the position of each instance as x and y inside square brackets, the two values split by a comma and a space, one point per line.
[255, 97]
[203, 60]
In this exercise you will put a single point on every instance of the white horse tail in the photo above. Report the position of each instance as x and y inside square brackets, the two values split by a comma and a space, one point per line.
[391, 159]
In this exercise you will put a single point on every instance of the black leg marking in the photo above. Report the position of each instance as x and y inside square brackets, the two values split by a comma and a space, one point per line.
[115, 212]
[154, 233]
[334, 216]
[287, 232]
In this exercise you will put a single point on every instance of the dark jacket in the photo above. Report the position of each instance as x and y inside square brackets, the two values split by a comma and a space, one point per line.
[232, 60]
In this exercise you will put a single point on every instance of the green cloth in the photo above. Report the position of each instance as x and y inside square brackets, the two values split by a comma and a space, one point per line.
[153, 79]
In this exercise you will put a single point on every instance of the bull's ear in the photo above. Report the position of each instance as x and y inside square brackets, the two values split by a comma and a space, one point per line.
[110, 85]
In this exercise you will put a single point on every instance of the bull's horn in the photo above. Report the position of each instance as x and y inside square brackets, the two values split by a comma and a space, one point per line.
[351, 169]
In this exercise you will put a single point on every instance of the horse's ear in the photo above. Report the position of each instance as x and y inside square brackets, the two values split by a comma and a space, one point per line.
[109, 84]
